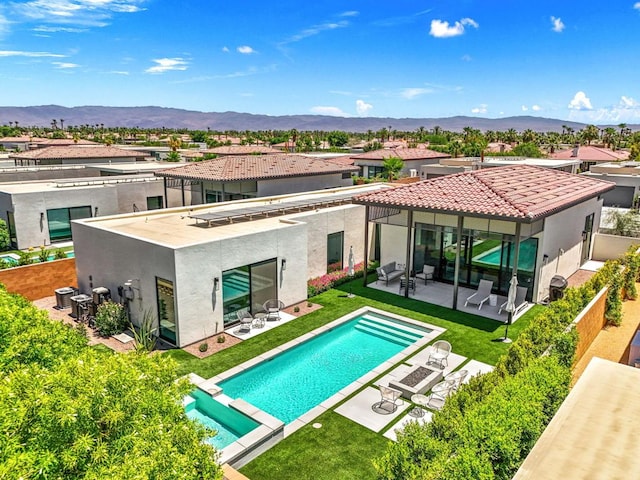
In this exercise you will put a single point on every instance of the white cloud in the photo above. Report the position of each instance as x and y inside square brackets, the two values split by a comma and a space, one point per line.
[627, 110]
[363, 107]
[19, 53]
[536, 108]
[167, 64]
[636, 5]
[47, 29]
[480, 109]
[524, 108]
[225, 49]
[315, 30]
[466, 58]
[350, 13]
[442, 29]
[556, 24]
[65, 65]
[245, 49]
[628, 102]
[580, 101]
[118, 72]
[411, 93]
[331, 111]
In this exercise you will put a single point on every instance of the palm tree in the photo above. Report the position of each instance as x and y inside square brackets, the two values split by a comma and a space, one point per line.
[393, 166]
[62, 124]
[589, 133]
[54, 124]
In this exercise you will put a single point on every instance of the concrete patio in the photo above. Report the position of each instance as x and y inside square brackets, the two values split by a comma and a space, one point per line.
[441, 294]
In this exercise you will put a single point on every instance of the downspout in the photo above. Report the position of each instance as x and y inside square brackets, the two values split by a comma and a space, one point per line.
[182, 189]
[456, 271]
[166, 196]
[366, 244]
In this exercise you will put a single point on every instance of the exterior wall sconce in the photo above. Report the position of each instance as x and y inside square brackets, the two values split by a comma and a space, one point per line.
[95, 212]
[216, 283]
[283, 265]
[545, 259]
[41, 216]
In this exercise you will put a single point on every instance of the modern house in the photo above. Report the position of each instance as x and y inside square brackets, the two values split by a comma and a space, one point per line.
[489, 224]
[448, 166]
[591, 155]
[77, 154]
[197, 267]
[626, 176]
[22, 143]
[235, 177]
[371, 163]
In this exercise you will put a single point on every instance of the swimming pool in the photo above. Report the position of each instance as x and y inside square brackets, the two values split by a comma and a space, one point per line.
[294, 381]
[13, 259]
[229, 424]
[526, 260]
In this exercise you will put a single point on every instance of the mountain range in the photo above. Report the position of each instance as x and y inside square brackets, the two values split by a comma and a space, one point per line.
[175, 118]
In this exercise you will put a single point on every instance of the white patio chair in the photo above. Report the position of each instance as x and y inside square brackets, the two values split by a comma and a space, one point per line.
[388, 399]
[439, 394]
[273, 307]
[439, 352]
[457, 378]
[481, 295]
[427, 273]
[520, 303]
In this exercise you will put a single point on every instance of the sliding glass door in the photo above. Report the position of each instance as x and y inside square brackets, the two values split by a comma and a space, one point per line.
[246, 288]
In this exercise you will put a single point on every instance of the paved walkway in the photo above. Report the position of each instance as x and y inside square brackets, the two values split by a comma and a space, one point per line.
[612, 343]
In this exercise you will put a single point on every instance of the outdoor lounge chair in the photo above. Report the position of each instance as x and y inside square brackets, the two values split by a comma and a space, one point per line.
[481, 295]
[439, 352]
[246, 319]
[427, 273]
[520, 303]
[273, 307]
[388, 398]
[439, 394]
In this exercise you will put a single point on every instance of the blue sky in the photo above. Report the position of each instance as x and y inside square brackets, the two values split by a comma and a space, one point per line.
[572, 60]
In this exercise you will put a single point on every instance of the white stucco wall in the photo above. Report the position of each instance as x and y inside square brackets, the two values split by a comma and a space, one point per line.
[282, 186]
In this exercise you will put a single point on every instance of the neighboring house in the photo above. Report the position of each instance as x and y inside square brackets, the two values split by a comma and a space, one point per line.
[626, 176]
[40, 212]
[465, 164]
[470, 225]
[197, 267]
[236, 177]
[371, 163]
[77, 155]
[590, 155]
[61, 142]
[243, 150]
[25, 142]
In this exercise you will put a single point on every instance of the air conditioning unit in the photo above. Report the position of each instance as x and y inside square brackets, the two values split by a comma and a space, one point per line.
[413, 172]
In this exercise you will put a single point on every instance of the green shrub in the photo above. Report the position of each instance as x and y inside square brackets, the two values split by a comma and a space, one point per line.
[111, 319]
[25, 258]
[144, 334]
[221, 339]
[59, 254]
[43, 255]
[203, 347]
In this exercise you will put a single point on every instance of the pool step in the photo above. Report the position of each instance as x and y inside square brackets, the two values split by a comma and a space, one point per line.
[408, 336]
[415, 332]
[392, 337]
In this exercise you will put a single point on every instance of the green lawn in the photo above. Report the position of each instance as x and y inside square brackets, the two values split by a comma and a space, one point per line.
[341, 448]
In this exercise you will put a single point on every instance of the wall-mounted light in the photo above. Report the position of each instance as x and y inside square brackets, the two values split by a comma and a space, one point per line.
[545, 259]
[41, 216]
[95, 212]
[216, 283]
[584, 235]
[283, 265]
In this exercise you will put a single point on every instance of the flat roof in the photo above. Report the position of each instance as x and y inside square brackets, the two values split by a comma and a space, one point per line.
[184, 226]
[593, 434]
[66, 184]
[137, 167]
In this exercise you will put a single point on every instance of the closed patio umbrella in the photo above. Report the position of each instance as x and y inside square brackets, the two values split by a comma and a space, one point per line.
[351, 271]
[511, 305]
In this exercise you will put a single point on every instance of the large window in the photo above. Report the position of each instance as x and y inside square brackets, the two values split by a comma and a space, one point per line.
[166, 310]
[59, 221]
[154, 203]
[373, 172]
[11, 226]
[248, 288]
[335, 251]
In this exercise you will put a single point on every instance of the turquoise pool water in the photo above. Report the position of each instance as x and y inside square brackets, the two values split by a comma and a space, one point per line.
[526, 260]
[234, 285]
[295, 381]
[229, 423]
[12, 260]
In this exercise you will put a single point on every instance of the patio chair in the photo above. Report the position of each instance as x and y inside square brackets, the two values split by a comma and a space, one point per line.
[388, 399]
[273, 307]
[246, 319]
[481, 295]
[412, 284]
[439, 394]
[439, 352]
[457, 378]
[427, 273]
[520, 303]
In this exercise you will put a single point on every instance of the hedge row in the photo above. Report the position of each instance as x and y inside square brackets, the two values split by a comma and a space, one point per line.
[489, 426]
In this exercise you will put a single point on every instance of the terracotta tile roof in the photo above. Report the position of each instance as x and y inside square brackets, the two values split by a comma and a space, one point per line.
[403, 153]
[62, 142]
[255, 167]
[590, 153]
[77, 152]
[342, 160]
[22, 139]
[512, 192]
[242, 150]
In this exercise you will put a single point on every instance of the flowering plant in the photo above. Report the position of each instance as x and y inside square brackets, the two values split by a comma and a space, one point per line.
[337, 277]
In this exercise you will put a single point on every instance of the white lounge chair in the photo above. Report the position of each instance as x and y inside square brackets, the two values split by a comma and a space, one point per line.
[481, 295]
[439, 394]
[520, 303]
[427, 273]
[388, 399]
[439, 352]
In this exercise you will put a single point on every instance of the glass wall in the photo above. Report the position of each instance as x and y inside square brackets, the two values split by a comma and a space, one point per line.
[166, 310]
[11, 226]
[335, 251]
[246, 288]
[483, 255]
[59, 221]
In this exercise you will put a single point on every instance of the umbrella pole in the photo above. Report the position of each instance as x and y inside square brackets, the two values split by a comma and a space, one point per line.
[506, 338]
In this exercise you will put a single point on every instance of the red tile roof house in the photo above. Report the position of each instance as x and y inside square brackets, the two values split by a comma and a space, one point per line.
[371, 163]
[235, 177]
[590, 155]
[470, 225]
[75, 155]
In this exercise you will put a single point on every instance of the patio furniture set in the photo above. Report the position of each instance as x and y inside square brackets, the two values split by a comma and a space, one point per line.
[421, 379]
[270, 311]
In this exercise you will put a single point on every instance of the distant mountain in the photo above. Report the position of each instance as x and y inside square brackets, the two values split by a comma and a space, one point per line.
[157, 117]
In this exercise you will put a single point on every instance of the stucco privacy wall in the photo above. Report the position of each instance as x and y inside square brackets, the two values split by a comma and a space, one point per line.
[283, 186]
[41, 279]
[590, 322]
[609, 247]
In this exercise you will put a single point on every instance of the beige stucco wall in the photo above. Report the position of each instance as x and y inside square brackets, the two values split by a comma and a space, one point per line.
[609, 247]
